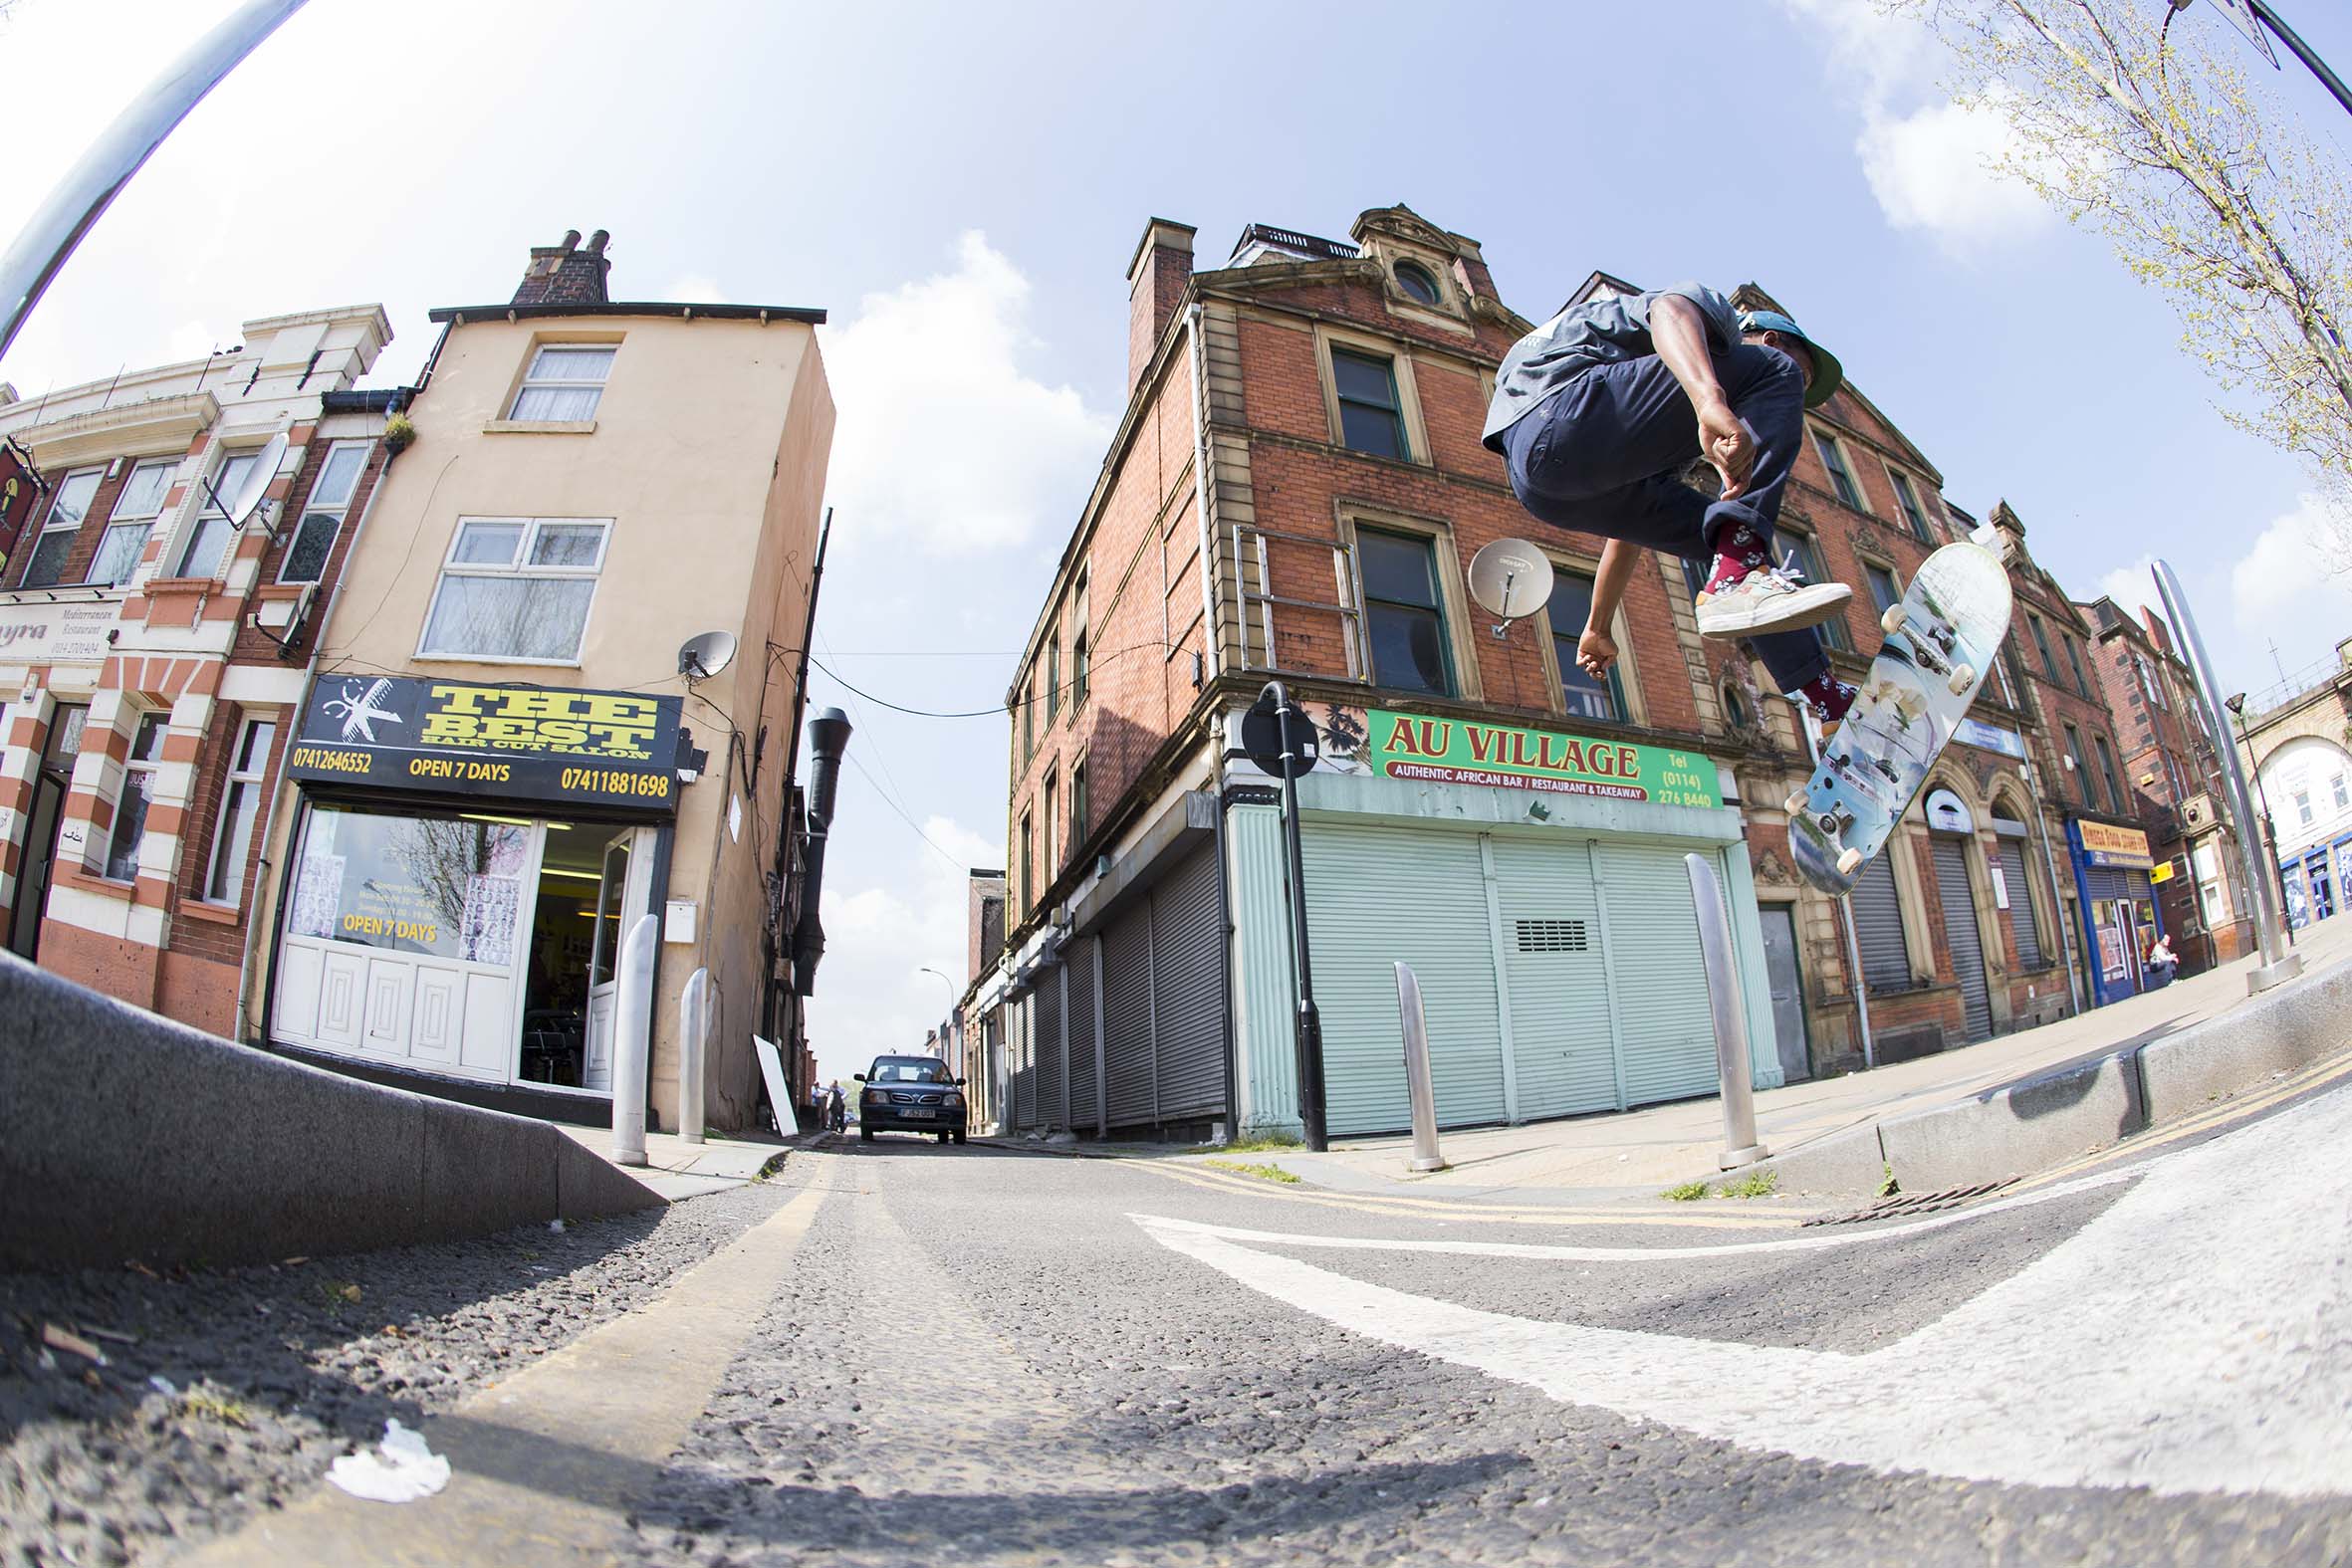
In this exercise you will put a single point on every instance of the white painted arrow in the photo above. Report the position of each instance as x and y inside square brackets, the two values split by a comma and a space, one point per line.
[2195, 1337]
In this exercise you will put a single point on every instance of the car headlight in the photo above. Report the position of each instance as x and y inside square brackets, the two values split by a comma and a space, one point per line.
[955, 1102]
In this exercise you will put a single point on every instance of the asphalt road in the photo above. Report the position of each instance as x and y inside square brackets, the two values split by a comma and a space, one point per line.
[992, 1355]
[898, 1353]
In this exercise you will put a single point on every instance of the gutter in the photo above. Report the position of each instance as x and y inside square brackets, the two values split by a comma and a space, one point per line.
[1203, 478]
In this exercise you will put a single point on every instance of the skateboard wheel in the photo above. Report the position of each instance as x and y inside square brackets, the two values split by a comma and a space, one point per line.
[1848, 862]
[1891, 621]
[1960, 679]
[1795, 802]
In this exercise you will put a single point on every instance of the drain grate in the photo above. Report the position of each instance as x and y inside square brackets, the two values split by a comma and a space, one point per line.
[1902, 1205]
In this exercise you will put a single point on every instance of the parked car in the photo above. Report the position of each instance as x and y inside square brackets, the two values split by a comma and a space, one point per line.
[911, 1094]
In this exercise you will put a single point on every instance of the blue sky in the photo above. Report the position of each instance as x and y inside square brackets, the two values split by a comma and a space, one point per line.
[962, 187]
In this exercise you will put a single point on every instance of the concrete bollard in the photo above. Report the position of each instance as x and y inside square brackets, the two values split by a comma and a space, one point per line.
[694, 1016]
[632, 1031]
[1731, 1021]
[1417, 1086]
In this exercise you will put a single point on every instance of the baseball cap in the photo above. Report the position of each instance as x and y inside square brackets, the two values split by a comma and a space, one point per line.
[1828, 374]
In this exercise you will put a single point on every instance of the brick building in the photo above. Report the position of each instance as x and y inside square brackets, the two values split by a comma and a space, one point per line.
[1479, 808]
[2171, 770]
[979, 1033]
[152, 651]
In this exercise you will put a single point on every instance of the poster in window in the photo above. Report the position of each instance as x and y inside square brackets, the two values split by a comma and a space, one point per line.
[2112, 963]
[487, 933]
[317, 894]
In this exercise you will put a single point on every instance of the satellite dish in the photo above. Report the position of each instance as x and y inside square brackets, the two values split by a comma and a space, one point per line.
[248, 498]
[1511, 578]
[705, 656]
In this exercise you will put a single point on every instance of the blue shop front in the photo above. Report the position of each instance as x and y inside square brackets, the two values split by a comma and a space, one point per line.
[2120, 917]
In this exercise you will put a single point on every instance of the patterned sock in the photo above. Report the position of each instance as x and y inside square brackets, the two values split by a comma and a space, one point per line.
[1738, 550]
[1829, 696]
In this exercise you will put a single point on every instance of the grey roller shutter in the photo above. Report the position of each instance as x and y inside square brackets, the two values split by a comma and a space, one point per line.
[1878, 927]
[1961, 933]
[2023, 920]
[1025, 1078]
[1086, 1108]
[1047, 1054]
[1377, 894]
[1660, 981]
[1126, 1015]
[1562, 1049]
[1188, 972]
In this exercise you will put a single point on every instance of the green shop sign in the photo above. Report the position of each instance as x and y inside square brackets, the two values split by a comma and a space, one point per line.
[1456, 751]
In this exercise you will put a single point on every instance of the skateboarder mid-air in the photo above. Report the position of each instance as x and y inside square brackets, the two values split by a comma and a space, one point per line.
[1599, 411]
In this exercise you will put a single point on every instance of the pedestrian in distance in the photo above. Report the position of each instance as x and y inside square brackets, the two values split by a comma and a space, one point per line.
[1599, 411]
[836, 1108]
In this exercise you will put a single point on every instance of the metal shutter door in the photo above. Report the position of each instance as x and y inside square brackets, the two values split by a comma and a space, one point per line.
[1961, 934]
[1562, 1049]
[1377, 894]
[1086, 1108]
[2023, 920]
[1045, 1015]
[1659, 979]
[1188, 969]
[1025, 1078]
[1126, 1015]
[1878, 927]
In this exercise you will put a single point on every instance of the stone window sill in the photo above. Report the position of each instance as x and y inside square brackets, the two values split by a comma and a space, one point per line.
[540, 427]
[218, 913]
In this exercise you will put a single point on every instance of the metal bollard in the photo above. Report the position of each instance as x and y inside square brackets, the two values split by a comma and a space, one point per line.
[1730, 1022]
[1417, 1087]
[632, 1027]
[693, 1039]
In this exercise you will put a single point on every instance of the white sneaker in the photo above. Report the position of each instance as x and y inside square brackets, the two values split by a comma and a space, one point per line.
[1767, 600]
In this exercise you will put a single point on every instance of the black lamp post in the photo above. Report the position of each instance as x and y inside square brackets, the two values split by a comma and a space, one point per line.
[2236, 707]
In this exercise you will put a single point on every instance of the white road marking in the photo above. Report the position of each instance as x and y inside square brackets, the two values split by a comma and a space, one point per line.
[2196, 1337]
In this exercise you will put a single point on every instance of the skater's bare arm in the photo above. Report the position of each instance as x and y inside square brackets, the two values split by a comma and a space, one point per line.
[1679, 333]
[1596, 650]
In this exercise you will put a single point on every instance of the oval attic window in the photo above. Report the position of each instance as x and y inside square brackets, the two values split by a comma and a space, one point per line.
[1417, 281]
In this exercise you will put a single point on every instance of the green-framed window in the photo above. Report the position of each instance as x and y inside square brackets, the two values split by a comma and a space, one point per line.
[1371, 415]
[1404, 615]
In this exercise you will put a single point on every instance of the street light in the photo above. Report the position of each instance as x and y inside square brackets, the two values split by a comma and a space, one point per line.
[2251, 17]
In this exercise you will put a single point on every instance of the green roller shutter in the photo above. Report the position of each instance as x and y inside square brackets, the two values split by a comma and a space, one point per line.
[1562, 1049]
[1660, 984]
[1377, 894]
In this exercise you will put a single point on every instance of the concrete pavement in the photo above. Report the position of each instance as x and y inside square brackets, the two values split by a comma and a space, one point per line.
[1636, 1154]
[676, 1169]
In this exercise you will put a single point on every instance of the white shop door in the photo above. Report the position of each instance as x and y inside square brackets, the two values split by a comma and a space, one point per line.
[620, 899]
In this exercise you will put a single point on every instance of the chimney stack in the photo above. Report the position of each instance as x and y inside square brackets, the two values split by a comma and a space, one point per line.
[566, 274]
[1156, 277]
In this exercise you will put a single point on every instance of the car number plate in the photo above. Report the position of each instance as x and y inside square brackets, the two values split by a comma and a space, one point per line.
[918, 1111]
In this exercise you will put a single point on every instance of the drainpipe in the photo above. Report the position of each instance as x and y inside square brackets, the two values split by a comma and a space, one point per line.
[1203, 478]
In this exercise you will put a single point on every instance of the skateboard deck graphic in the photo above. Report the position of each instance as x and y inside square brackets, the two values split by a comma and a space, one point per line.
[1941, 640]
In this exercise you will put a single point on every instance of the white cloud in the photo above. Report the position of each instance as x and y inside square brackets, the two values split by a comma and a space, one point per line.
[2133, 586]
[944, 439]
[695, 288]
[1933, 170]
[2287, 609]
[1928, 159]
[194, 341]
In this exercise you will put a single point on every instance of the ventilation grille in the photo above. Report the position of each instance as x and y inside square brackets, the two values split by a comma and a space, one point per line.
[1550, 936]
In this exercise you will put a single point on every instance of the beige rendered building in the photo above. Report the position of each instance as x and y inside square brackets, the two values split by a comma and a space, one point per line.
[507, 758]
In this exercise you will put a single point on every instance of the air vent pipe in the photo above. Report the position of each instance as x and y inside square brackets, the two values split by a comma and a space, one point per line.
[828, 737]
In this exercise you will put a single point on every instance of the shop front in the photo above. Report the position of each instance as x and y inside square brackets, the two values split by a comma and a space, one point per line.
[1534, 880]
[2121, 921]
[2316, 880]
[466, 862]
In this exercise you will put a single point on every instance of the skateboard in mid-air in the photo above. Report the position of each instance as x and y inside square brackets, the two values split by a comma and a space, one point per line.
[1941, 639]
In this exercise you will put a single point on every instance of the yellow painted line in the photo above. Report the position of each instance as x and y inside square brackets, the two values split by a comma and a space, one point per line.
[1441, 1208]
[545, 1464]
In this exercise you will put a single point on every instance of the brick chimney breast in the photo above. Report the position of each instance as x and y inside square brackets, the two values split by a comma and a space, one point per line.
[566, 274]
[1156, 279]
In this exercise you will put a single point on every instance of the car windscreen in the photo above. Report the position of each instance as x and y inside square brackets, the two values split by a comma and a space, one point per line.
[887, 1072]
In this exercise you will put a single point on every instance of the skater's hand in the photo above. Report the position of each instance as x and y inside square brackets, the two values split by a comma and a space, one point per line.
[1595, 652]
[1725, 442]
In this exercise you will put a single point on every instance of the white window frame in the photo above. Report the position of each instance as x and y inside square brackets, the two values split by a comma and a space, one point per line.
[246, 772]
[134, 765]
[534, 381]
[120, 519]
[335, 509]
[520, 568]
[206, 512]
[50, 524]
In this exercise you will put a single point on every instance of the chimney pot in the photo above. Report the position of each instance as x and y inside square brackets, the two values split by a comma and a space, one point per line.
[597, 242]
[570, 239]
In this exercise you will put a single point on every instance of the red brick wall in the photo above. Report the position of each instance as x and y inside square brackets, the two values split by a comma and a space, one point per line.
[251, 647]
